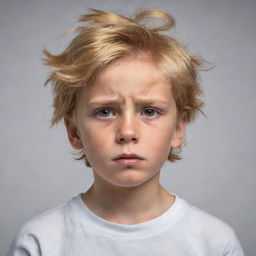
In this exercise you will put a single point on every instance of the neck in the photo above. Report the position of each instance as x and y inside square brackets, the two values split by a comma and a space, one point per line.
[128, 205]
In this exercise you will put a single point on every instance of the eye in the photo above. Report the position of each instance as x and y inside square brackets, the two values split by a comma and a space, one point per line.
[148, 112]
[103, 111]
[151, 112]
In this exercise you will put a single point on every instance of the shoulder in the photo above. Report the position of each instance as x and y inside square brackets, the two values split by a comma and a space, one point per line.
[46, 221]
[209, 224]
[212, 231]
[48, 225]
[45, 228]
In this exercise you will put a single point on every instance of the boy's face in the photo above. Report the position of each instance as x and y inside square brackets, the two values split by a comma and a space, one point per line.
[129, 125]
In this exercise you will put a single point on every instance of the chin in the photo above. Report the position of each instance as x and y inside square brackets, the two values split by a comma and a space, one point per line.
[130, 180]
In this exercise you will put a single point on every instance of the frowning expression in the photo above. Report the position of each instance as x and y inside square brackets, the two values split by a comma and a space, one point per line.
[129, 109]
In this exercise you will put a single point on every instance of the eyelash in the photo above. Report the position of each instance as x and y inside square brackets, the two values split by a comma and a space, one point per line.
[154, 109]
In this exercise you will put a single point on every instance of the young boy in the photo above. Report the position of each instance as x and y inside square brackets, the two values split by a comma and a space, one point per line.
[126, 93]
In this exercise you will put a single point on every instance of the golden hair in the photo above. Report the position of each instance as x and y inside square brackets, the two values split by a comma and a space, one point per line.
[107, 37]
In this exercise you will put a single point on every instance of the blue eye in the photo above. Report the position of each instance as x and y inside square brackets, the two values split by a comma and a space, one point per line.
[148, 112]
[151, 111]
[104, 111]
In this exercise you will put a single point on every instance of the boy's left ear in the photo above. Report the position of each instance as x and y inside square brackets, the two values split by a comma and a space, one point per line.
[73, 135]
[179, 133]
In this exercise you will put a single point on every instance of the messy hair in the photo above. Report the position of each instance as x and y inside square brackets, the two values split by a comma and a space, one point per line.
[107, 37]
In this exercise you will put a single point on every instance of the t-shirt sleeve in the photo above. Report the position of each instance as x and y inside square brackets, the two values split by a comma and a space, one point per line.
[233, 248]
[24, 245]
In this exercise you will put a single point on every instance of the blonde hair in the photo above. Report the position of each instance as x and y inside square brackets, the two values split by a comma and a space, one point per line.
[108, 37]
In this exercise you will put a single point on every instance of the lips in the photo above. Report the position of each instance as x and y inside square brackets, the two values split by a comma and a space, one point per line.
[128, 161]
[128, 156]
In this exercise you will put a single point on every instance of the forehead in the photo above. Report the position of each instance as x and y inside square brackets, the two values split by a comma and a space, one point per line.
[129, 78]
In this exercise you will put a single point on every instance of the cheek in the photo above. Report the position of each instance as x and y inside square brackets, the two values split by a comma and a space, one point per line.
[95, 141]
[92, 140]
[161, 143]
[157, 147]
[161, 134]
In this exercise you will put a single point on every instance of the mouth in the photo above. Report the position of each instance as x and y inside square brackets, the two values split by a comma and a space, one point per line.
[128, 161]
[127, 157]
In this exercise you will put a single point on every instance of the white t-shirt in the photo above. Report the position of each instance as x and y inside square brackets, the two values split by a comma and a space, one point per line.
[72, 229]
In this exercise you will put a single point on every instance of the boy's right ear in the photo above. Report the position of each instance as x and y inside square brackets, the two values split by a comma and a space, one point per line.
[73, 135]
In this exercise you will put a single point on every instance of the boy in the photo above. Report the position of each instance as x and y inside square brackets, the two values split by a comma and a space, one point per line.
[126, 93]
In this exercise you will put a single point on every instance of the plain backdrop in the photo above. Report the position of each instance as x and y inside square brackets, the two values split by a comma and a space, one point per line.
[217, 173]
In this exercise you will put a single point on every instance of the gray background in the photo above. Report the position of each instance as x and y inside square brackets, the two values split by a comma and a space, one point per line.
[217, 172]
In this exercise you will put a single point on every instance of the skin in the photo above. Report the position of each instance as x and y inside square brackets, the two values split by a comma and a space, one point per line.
[127, 194]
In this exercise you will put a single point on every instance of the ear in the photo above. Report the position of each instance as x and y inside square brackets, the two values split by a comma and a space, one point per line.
[73, 135]
[179, 132]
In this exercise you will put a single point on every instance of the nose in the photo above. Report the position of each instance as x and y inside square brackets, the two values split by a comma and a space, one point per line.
[127, 129]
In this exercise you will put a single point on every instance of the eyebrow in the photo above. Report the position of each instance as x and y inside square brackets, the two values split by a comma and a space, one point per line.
[138, 101]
